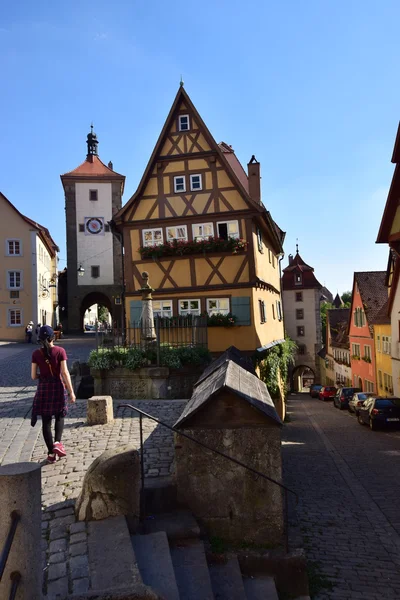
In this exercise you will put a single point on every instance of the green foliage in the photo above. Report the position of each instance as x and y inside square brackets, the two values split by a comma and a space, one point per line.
[220, 320]
[325, 306]
[346, 299]
[276, 363]
[135, 358]
[102, 313]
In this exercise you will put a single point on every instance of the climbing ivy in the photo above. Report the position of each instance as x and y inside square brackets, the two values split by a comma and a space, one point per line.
[276, 364]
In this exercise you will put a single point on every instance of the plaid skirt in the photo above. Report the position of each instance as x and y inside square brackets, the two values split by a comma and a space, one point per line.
[50, 399]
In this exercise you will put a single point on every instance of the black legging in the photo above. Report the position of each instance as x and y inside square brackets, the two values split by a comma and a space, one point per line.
[46, 428]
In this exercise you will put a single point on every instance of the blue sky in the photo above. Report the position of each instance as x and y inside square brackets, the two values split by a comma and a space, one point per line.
[310, 88]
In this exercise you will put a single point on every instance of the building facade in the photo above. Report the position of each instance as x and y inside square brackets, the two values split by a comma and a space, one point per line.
[368, 297]
[383, 352]
[28, 272]
[197, 225]
[302, 295]
[389, 233]
[93, 195]
[338, 371]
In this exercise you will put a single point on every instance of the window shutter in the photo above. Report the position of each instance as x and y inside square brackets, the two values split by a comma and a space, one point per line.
[240, 307]
[135, 311]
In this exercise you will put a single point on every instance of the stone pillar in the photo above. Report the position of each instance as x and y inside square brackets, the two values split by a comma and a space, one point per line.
[20, 490]
[100, 410]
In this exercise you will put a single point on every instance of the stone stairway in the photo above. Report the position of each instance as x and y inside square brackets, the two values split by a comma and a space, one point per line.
[172, 560]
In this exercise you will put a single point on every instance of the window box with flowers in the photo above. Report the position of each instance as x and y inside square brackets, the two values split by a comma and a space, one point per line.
[367, 359]
[355, 357]
[220, 320]
[182, 247]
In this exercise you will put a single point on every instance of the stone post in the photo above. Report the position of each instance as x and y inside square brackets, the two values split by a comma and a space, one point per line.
[147, 330]
[20, 490]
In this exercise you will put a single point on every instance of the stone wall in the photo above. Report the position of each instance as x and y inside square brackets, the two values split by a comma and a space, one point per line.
[231, 502]
[151, 382]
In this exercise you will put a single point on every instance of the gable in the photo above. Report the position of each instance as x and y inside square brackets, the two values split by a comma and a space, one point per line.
[186, 153]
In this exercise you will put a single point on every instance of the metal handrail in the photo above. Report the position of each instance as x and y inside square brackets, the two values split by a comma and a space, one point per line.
[15, 519]
[15, 579]
[234, 460]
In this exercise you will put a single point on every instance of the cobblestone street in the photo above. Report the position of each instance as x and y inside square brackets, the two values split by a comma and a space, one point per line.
[347, 480]
[64, 549]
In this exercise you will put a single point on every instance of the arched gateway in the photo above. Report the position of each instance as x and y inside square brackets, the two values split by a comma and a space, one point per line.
[302, 377]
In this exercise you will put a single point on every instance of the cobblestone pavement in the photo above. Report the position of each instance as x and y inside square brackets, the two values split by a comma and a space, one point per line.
[64, 550]
[348, 516]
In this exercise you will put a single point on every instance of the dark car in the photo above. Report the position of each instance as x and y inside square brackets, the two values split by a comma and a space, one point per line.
[327, 392]
[380, 412]
[315, 389]
[343, 396]
[358, 400]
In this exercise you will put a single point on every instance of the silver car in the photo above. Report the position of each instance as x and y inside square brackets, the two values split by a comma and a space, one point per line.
[358, 400]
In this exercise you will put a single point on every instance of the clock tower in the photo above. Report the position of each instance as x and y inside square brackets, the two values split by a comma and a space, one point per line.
[93, 195]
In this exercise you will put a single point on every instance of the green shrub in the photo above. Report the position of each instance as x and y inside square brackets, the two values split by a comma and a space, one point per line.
[194, 355]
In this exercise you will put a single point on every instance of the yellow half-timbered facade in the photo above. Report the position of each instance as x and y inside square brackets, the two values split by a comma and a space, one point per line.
[197, 225]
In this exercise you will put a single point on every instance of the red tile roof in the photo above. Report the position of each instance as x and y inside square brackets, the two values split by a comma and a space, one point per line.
[235, 164]
[374, 294]
[94, 167]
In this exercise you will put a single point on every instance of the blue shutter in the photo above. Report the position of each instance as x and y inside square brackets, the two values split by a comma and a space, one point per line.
[240, 307]
[135, 312]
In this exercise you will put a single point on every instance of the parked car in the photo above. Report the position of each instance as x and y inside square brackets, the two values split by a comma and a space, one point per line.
[327, 392]
[315, 388]
[380, 412]
[90, 328]
[343, 396]
[358, 400]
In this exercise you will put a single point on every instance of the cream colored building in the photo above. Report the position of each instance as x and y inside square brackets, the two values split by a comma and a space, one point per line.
[28, 273]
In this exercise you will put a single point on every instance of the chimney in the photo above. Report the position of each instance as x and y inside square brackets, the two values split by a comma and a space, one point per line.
[110, 165]
[290, 259]
[253, 169]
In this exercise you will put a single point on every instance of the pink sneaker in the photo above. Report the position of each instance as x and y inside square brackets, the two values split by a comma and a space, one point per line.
[51, 458]
[59, 449]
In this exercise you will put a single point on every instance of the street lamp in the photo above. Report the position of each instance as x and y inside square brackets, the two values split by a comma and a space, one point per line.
[81, 271]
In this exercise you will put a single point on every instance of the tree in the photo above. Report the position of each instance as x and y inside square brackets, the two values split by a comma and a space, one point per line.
[346, 299]
[102, 313]
[325, 306]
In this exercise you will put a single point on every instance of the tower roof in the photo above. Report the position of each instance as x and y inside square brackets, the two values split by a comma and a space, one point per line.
[337, 301]
[297, 266]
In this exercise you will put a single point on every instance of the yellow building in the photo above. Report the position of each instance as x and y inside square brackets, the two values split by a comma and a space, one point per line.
[28, 272]
[383, 352]
[197, 225]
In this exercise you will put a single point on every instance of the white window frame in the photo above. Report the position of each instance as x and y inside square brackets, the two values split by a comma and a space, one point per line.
[202, 237]
[236, 235]
[217, 310]
[196, 189]
[12, 241]
[296, 275]
[367, 352]
[180, 118]
[153, 242]
[170, 239]
[378, 343]
[163, 312]
[21, 280]
[15, 310]
[185, 312]
[175, 184]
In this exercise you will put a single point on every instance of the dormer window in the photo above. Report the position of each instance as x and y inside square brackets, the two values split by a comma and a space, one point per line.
[298, 280]
[184, 124]
[179, 184]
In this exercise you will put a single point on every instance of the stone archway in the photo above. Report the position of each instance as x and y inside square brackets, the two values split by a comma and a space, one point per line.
[94, 298]
[302, 377]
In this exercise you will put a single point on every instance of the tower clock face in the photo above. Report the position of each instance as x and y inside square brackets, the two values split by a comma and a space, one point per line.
[94, 225]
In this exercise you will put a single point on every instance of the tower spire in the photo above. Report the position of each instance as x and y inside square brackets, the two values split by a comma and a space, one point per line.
[92, 143]
[297, 245]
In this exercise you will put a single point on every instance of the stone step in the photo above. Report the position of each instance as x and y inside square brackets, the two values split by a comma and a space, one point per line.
[226, 580]
[178, 525]
[112, 561]
[155, 564]
[191, 570]
[260, 588]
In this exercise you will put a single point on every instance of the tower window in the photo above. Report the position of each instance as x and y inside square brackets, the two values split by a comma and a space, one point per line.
[93, 194]
[179, 184]
[106, 228]
[299, 313]
[82, 227]
[299, 296]
[300, 332]
[184, 123]
[95, 271]
[298, 280]
[195, 183]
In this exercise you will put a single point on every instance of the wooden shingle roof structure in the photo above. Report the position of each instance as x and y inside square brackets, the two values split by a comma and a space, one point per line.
[231, 377]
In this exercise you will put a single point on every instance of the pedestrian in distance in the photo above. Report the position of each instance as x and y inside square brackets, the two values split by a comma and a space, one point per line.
[38, 326]
[49, 366]
[28, 332]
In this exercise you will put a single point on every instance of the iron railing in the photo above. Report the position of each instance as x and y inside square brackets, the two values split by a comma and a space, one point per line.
[164, 334]
[215, 451]
[15, 575]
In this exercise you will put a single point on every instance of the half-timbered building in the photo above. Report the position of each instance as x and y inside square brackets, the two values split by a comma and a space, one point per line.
[197, 225]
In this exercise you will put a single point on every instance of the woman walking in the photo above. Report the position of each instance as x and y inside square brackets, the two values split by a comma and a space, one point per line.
[51, 396]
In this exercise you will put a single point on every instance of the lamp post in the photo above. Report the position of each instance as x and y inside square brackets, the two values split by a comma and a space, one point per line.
[81, 271]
